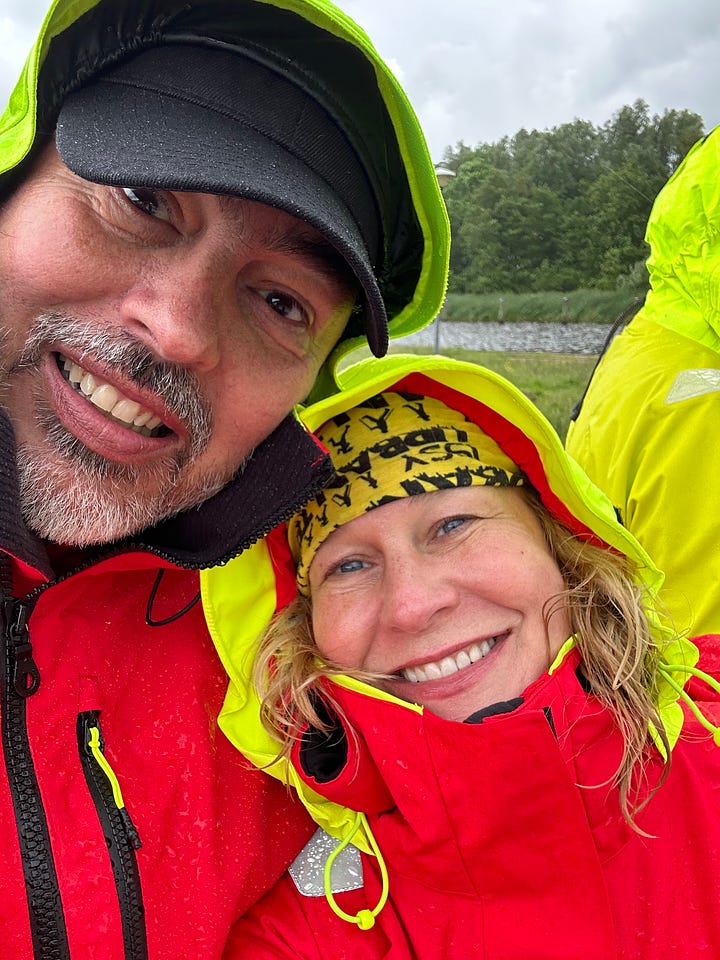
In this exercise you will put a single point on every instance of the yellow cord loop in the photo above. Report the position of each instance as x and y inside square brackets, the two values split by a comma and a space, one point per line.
[667, 671]
[365, 919]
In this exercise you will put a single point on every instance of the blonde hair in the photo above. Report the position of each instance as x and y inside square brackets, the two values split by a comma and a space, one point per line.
[605, 604]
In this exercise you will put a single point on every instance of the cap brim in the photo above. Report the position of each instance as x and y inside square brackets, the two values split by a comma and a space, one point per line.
[120, 135]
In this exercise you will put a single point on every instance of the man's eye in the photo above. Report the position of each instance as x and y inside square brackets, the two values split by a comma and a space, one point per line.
[286, 305]
[148, 201]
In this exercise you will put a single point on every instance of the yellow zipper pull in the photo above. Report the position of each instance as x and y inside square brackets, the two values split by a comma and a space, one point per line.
[102, 762]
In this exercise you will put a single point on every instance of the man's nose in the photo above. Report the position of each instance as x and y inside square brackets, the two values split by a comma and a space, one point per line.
[177, 308]
[415, 591]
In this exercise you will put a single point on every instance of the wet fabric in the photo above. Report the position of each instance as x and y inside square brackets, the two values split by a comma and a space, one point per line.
[645, 431]
[123, 709]
[214, 835]
[504, 837]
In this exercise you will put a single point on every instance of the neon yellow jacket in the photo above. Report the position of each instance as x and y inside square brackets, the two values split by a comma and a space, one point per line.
[646, 432]
[475, 840]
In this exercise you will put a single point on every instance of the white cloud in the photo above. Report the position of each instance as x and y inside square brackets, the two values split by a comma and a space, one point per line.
[477, 70]
[19, 23]
[8, 40]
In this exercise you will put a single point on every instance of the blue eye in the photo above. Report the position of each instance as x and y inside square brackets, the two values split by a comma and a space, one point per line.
[350, 566]
[447, 526]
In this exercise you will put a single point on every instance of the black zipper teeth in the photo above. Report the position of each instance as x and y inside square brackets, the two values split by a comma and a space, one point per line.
[121, 839]
[46, 914]
[308, 492]
[47, 920]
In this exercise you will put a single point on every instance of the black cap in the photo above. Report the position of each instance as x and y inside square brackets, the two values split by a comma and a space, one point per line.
[213, 119]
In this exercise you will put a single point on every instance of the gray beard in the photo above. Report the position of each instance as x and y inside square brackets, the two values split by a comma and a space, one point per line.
[73, 496]
[63, 503]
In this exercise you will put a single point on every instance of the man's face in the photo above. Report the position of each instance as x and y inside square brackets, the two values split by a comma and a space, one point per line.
[151, 341]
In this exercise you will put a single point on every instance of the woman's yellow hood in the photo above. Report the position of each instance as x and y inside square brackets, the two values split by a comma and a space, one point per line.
[240, 598]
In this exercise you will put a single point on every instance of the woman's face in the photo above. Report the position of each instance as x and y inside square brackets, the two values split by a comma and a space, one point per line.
[445, 593]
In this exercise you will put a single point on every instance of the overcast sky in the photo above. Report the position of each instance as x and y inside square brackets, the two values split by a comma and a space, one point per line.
[477, 70]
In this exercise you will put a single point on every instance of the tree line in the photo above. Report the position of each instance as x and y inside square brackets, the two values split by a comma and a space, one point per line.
[565, 208]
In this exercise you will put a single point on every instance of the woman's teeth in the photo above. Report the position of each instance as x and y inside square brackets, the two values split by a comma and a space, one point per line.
[107, 398]
[449, 665]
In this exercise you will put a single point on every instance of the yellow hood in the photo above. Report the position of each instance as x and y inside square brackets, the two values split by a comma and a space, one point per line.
[240, 598]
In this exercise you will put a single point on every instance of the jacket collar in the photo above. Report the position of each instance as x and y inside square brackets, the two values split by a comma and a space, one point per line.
[347, 764]
[424, 781]
[286, 470]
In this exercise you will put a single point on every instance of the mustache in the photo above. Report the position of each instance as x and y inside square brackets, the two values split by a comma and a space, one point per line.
[122, 353]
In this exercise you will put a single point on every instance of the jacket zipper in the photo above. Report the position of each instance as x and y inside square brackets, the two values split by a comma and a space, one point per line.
[120, 833]
[20, 680]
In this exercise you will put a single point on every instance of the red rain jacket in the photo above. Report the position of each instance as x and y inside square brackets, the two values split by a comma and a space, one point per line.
[215, 834]
[504, 840]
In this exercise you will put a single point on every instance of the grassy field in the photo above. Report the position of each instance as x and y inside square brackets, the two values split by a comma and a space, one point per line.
[553, 381]
[576, 306]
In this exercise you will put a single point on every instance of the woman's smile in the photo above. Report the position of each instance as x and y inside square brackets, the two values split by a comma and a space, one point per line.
[450, 663]
[443, 596]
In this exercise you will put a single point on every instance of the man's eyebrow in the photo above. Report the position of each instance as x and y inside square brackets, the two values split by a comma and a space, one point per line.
[318, 252]
[305, 243]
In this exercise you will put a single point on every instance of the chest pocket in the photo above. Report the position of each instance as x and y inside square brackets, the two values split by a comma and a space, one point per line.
[120, 833]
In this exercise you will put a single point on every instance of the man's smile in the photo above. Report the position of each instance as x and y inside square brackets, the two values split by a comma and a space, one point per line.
[108, 399]
[83, 419]
[154, 348]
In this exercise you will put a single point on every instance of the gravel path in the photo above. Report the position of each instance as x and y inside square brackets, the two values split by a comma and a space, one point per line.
[585, 338]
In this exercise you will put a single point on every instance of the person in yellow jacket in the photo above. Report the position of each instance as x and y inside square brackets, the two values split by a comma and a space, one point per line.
[645, 432]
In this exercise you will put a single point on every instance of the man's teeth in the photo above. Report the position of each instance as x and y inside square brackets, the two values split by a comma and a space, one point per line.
[108, 399]
[449, 665]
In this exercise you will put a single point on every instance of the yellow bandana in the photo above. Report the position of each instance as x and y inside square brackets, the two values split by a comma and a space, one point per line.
[391, 446]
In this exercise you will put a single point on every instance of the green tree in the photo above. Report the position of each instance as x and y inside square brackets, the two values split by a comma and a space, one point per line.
[562, 208]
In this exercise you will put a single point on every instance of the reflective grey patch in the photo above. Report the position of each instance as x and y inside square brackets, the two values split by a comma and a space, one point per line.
[307, 869]
[693, 383]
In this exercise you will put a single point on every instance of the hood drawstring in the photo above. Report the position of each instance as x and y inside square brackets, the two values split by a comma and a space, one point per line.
[150, 620]
[667, 671]
[365, 919]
